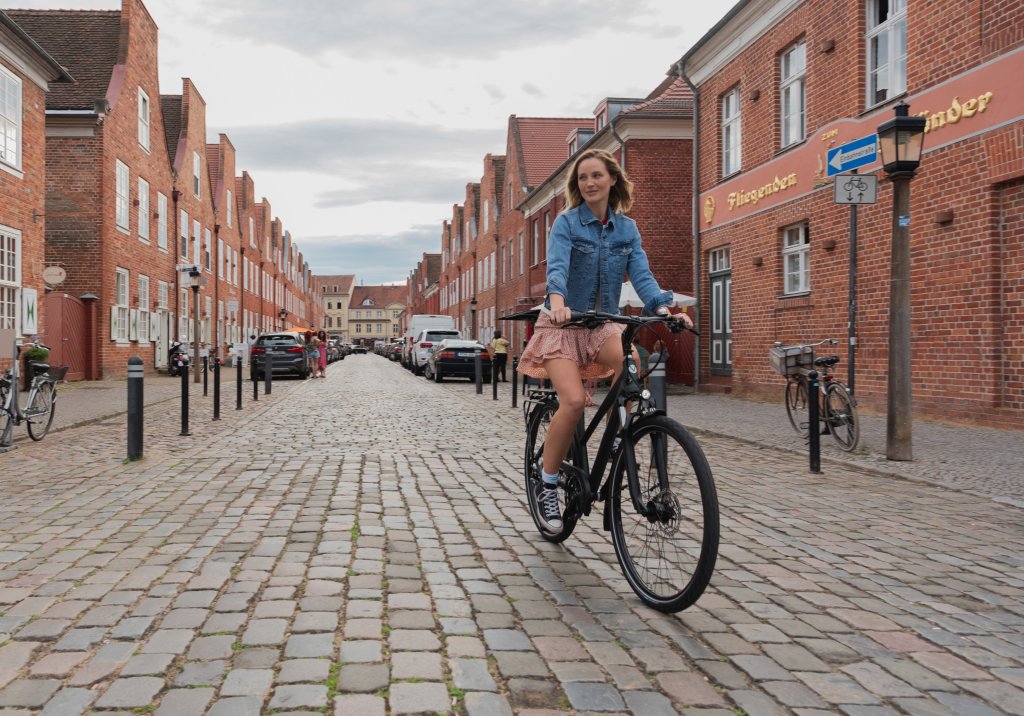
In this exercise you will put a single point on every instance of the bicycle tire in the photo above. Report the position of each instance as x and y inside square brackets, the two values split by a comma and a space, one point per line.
[538, 420]
[686, 538]
[6, 422]
[41, 408]
[842, 418]
[796, 404]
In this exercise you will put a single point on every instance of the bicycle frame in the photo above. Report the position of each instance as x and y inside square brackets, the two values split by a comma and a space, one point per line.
[624, 390]
[12, 404]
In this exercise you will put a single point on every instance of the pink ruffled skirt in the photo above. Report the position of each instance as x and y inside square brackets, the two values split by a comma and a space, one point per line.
[580, 345]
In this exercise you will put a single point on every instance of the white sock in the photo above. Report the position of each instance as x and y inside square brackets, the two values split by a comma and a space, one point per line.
[549, 480]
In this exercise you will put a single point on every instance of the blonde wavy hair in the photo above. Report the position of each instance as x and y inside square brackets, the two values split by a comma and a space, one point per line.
[620, 198]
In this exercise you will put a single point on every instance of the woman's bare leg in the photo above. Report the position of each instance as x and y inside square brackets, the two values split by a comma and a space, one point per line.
[565, 377]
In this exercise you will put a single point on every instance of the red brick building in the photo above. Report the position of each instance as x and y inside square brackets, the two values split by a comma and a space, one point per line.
[423, 289]
[26, 72]
[109, 187]
[781, 83]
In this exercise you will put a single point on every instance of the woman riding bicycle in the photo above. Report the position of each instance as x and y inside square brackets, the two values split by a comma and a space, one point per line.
[593, 245]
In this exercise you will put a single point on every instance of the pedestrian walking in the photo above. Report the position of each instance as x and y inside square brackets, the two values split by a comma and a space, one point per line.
[499, 355]
[312, 354]
[592, 246]
[321, 348]
[248, 347]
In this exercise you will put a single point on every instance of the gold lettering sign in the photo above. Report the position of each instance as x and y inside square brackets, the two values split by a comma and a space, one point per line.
[740, 198]
[955, 112]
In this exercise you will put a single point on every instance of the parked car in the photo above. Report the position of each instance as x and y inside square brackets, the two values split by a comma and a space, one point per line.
[395, 351]
[287, 351]
[455, 358]
[417, 324]
[359, 348]
[424, 342]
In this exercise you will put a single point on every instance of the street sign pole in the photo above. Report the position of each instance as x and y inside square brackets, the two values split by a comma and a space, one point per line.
[851, 319]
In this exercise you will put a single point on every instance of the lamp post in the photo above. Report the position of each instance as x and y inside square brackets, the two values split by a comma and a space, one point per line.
[899, 142]
[282, 314]
[472, 319]
[194, 278]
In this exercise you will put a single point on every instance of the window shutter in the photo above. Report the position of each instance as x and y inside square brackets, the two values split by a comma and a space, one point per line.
[113, 323]
[133, 324]
[154, 326]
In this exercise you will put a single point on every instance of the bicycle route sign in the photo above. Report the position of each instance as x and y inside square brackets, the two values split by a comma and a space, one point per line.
[852, 155]
[855, 189]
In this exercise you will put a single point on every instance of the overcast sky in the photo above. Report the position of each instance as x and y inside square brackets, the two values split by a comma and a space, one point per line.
[363, 120]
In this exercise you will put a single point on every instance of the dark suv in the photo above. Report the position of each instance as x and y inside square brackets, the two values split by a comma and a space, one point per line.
[287, 351]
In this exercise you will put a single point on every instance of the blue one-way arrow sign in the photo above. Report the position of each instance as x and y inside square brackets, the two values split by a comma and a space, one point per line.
[852, 155]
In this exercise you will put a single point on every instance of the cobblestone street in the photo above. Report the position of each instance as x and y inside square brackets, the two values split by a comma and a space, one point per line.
[361, 545]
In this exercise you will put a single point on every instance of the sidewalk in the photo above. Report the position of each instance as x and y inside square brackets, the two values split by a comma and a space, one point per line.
[977, 460]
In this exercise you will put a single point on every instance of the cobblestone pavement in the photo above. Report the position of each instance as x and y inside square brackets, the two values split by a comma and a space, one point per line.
[361, 545]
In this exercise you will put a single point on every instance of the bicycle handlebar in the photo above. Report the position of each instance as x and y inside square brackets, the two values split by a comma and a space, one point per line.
[830, 341]
[592, 319]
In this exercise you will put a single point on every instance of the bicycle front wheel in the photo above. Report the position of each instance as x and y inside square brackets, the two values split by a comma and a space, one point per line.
[842, 417]
[668, 547]
[569, 496]
[796, 404]
[39, 414]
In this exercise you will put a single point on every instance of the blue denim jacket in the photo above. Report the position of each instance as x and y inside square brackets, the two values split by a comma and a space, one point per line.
[581, 251]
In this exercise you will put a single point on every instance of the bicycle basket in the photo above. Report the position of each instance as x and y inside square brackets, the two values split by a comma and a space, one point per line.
[791, 360]
[57, 372]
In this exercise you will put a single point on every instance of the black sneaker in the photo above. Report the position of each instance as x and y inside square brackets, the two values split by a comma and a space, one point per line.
[547, 505]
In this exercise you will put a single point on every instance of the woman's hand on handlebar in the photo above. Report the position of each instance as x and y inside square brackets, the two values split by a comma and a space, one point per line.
[680, 317]
[559, 312]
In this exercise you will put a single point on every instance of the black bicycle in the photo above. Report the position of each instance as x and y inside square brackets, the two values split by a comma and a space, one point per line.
[660, 500]
[42, 397]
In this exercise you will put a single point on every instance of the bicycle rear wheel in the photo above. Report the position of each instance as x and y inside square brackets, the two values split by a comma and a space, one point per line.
[569, 490]
[39, 414]
[6, 423]
[668, 548]
[796, 404]
[842, 417]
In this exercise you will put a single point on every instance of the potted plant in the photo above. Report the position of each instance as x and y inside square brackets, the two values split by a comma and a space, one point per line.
[33, 354]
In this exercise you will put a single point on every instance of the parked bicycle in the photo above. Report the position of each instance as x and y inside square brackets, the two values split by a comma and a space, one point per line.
[838, 413]
[42, 397]
[660, 500]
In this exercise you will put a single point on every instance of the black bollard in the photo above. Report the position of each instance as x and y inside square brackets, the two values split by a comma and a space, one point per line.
[813, 429]
[206, 373]
[494, 379]
[255, 385]
[515, 381]
[238, 384]
[478, 371]
[216, 388]
[268, 373]
[183, 371]
[135, 407]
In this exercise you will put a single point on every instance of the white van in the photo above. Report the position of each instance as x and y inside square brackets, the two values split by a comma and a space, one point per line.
[417, 324]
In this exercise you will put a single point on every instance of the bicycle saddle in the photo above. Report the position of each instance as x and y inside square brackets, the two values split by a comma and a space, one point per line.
[39, 368]
[826, 360]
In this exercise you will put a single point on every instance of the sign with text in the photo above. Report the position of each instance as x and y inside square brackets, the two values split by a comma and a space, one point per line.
[853, 154]
[856, 189]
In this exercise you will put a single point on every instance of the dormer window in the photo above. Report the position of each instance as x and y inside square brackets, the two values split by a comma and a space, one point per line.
[367, 302]
[602, 119]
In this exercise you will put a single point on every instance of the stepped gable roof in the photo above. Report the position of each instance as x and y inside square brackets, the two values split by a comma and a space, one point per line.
[380, 295]
[543, 144]
[85, 42]
[213, 169]
[170, 107]
[675, 100]
[433, 269]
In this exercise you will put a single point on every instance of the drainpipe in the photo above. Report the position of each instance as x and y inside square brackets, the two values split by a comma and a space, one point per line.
[177, 257]
[696, 219]
[216, 317]
[622, 144]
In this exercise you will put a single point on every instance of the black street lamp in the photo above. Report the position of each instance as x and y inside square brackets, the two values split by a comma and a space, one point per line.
[899, 142]
[472, 319]
[194, 279]
[282, 314]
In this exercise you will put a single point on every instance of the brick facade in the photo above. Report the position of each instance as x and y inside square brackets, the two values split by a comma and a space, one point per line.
[965, 236]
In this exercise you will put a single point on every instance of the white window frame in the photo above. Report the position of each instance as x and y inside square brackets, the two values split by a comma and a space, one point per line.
[119, 312]
[732, 140]
[796, 258]
[887, 75]
[230, 207]
[197, 240]
[197, 168]
[252, 233]
[10, 278]
[10, 120]
[121, 197]
[162, 294]
[487, 215]
[222, 259]
[793, 94]
[536, 243]
[144, 124]
[143, 210]
[183, 230]
[161, 221]
[521, 268]
[143, 329]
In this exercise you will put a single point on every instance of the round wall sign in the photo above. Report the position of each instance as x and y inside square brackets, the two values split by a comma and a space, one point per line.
[54, 275]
